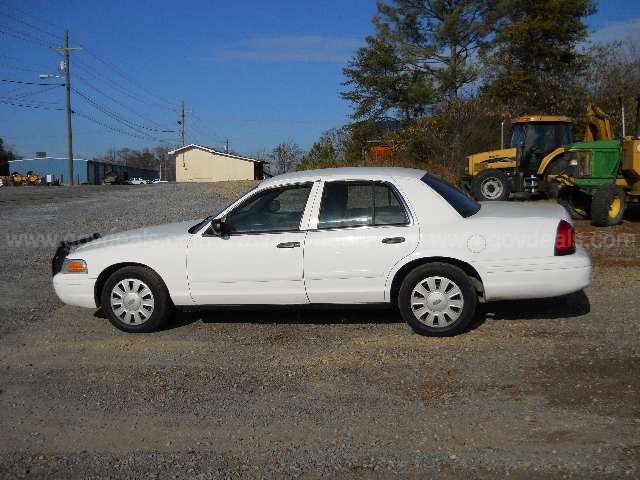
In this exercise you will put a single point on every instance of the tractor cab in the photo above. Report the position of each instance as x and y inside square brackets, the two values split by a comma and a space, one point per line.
[534, 137]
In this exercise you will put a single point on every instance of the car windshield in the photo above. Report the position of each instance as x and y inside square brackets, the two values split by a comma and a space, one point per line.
[461, 202]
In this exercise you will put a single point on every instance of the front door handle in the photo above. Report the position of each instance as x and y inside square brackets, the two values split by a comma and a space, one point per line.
[393, 240]
[288, 245]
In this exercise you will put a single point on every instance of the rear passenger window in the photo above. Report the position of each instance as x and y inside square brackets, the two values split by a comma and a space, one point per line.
[387, 207]
[353, 204]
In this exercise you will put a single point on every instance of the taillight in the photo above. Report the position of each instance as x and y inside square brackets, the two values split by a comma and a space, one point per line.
[565, 239]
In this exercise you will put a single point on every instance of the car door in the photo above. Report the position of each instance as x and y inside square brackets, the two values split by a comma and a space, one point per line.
[363, 230]
[259, 259]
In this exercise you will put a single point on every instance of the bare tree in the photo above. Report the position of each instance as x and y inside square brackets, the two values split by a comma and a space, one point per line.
[285, 156]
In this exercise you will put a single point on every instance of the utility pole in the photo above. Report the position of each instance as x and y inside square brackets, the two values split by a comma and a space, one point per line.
[182, 123]
[226, 145]
[65, 50]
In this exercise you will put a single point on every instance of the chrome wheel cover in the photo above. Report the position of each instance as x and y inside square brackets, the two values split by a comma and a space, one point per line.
[437, 302]
[491, 188]
[132, 301]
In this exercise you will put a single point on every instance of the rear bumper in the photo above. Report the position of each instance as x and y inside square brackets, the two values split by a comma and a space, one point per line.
[75, 289]
[551, 277]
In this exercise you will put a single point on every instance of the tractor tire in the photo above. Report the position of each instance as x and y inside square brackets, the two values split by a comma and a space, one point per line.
[491, 185]
[608, 206]
[577, 203]
[552, 189]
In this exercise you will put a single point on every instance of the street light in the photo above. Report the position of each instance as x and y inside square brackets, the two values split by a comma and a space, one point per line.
[44, 76]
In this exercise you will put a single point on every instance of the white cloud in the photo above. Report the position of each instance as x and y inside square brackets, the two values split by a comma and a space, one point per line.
[291, 49]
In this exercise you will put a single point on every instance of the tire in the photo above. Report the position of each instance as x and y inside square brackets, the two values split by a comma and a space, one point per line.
[577, 203]
[148, 296]
[434, 318]
[491, 185]
[608, 206]
[552, 189]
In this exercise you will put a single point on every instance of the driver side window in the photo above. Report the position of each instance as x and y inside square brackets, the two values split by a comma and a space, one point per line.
[273, 210]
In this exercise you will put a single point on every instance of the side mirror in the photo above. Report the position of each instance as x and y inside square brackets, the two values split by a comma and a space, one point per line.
[219, 226]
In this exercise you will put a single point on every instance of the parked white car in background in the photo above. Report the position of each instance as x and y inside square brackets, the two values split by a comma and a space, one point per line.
[137, 181]
[335, 236]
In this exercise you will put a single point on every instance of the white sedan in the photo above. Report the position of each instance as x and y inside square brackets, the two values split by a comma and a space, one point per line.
[336, 236]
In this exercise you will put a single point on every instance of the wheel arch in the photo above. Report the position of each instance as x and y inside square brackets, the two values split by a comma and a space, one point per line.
[403, 271]
[106, 273]
[548, 160]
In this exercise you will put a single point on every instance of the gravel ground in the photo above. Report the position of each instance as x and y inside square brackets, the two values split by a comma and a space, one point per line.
[537, 389]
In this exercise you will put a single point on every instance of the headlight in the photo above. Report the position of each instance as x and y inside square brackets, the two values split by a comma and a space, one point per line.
[74, 266]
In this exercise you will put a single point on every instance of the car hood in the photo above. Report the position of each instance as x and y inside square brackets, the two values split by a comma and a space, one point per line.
[155, 234]
[521, 210]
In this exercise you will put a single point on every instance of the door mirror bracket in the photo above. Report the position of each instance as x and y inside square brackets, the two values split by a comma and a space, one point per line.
[219, 227]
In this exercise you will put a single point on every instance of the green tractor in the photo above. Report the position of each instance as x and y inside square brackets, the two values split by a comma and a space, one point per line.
[601, 177]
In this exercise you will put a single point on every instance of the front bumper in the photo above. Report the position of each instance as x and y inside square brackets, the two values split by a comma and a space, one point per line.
[75, 289]
[72, 288]
[541, 278]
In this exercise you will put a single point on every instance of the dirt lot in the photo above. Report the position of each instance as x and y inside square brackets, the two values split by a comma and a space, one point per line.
[537, 389]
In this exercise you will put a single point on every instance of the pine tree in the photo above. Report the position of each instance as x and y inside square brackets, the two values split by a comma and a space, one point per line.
[421, 55]
[534, 58]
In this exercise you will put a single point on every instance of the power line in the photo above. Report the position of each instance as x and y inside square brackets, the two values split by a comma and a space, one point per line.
[27, 24]
[9, 66]
[134, 82]
[116, 101]
[24, 82]
[116, 86]
[112, 128]
[25, 36]
[15, 9]
[116, 116]
[25, 105]
[31, 93]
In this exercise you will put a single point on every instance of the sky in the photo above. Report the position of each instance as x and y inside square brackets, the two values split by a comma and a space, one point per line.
[254, 72]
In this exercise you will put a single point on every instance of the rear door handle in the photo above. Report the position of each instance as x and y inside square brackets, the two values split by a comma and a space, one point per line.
[393, 240]
[288, 245]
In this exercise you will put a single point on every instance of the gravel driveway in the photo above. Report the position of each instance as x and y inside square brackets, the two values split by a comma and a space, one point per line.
[537, 389]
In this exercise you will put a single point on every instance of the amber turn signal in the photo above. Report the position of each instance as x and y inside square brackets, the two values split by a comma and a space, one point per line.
[75, 266]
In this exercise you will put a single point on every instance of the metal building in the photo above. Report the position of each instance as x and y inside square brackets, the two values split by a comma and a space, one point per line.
[84, 171]
[197, 163]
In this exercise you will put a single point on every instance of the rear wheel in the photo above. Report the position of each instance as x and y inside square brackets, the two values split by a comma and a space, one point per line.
[491, 184]
[608, 206]
[577, 203]
[437, 299]
[135, 300]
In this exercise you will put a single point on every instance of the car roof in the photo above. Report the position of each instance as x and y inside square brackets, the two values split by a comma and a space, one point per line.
[344, 173]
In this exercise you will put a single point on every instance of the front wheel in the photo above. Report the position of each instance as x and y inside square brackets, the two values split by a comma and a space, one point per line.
[491, 184]
[608, 206]
[437, 300]
[135, 300]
